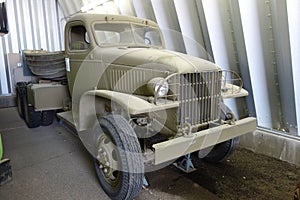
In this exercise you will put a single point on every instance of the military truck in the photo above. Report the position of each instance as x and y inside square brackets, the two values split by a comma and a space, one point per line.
[135, 105]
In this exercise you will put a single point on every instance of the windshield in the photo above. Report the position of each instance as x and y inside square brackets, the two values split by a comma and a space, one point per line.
[110, 34]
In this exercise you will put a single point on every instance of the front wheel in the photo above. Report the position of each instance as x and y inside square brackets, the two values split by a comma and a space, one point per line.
[221, 151]
[119, 162]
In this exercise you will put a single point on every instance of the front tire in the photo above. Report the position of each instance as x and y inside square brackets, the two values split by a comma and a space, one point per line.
[119, 163]
[221, 151]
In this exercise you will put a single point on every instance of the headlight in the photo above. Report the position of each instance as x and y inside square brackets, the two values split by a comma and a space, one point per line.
[159, 86]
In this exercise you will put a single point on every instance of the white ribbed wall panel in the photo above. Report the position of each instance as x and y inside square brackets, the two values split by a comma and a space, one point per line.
[238, 34]
[190, 28]
[103, 10]
[216, 32]
[109, 7]
[125, 7]
[221, 42]
[293, 7]
[166, 17]
[32, 25]
[255, 55]
[4, 79]
[144, 9]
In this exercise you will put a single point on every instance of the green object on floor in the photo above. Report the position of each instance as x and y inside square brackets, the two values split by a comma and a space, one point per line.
[1, 149]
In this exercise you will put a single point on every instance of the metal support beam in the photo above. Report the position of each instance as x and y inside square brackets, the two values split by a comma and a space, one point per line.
[248, 107]
[270, 62]
[280, 29]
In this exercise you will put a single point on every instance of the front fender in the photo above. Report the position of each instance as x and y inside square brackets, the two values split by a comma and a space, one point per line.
[232, 85]
[233, 91]
[131, 104]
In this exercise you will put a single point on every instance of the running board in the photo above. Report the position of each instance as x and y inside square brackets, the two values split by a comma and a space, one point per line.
[67, 117]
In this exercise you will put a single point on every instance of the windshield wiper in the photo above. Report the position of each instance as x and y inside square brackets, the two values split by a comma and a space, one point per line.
[138, 46]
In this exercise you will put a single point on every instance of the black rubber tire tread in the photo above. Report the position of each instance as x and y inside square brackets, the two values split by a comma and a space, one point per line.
[222, 151]
[32, 117]
[19, 103]
[21, 92]
[132, 176]
[47, 117]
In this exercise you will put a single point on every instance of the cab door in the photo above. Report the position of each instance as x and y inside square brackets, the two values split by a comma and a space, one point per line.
[78, 47]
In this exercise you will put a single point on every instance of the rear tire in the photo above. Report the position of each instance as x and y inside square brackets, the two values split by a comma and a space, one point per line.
[119, 164]
[21, 92]
[47, 117]
[32, 117]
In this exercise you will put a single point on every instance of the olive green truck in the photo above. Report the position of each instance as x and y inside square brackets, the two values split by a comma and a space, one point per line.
[135, 105]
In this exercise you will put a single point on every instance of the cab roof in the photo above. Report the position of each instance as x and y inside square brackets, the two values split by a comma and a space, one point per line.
[90, 18]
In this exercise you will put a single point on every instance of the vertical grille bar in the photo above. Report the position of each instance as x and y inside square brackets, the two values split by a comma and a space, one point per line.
[200, 95]
[194, 118]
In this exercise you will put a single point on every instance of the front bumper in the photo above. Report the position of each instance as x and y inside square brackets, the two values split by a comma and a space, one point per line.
[181, 146]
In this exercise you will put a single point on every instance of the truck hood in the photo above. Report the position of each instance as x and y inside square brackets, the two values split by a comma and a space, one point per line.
[164, 59]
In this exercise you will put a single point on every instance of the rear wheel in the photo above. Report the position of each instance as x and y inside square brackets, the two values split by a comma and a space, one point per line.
[118, 163]
[32, 117]
[21, 97]
[47, 117]
[221, 151]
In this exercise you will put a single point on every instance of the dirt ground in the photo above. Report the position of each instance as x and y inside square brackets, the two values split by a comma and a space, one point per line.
[50, 163]
[244, 175]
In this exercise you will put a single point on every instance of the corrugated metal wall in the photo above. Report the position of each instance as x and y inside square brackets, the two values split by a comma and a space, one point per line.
[258, 39]
[33, 24]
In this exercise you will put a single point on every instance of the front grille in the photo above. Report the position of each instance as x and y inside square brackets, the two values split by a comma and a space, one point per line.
[199, 97]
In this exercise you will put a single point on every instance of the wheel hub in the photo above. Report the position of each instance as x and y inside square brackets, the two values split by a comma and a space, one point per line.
[108, 159]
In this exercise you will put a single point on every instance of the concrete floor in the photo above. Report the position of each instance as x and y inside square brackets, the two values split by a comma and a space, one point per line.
[51, 163]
